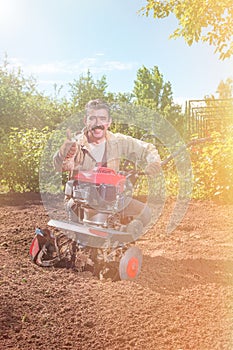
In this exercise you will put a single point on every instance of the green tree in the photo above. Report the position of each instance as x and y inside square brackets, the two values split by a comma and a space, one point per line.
[13, 89]
[43, 111]
[120, 97]
[85, 89]
[208, 21]
[150, 90]
[23, 106]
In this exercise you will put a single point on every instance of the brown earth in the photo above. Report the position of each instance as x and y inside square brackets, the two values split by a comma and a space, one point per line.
[183, 298]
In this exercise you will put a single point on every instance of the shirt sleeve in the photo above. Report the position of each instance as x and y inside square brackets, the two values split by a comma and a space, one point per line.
[144, 151]
[61, 164]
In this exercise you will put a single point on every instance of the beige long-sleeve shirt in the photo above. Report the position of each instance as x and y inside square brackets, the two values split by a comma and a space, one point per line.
[118, 146]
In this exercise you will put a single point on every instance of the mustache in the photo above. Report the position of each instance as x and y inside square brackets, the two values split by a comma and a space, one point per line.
[101, 127]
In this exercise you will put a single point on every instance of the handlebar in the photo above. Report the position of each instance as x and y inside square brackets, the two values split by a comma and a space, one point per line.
[173, 154]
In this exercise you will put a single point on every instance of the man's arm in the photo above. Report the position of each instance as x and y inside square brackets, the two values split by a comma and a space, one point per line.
[145, 152]
[63, 159]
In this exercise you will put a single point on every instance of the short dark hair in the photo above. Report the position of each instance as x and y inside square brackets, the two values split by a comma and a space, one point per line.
[97, 104]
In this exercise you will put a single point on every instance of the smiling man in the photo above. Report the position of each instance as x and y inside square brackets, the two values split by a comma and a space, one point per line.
[97, 146]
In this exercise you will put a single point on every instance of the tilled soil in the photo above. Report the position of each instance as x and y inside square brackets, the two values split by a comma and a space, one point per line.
[183, 298]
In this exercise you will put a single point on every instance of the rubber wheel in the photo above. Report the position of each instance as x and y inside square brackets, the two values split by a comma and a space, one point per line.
[130, 264]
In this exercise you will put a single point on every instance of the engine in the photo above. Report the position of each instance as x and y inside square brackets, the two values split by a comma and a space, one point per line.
[99, 194]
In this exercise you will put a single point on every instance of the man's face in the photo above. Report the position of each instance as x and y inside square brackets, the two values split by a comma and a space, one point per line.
[97, 122]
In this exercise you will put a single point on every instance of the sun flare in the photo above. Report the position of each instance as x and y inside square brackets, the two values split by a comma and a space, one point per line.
[9, 14]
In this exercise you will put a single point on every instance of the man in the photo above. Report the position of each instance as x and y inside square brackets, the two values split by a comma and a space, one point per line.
[97, 146]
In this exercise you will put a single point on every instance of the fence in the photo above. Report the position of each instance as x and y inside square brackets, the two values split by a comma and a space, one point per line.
[206, 116]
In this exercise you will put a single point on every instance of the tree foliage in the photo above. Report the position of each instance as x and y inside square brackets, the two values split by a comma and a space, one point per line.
[86, 88]
[23, 106]
[83, 90]
[151, 91]
[20, 158]
[208, 21]
[225, 89]
[213, 168]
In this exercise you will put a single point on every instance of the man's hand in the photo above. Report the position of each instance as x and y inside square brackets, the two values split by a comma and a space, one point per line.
[68, 149]
[153, 169]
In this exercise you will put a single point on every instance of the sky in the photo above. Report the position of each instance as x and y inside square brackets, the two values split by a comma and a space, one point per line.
[56, 41]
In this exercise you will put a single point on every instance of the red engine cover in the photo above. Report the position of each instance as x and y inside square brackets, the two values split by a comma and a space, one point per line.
[100, 176]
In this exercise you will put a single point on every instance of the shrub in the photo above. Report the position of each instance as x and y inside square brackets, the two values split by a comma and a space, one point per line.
[213, 169]
[20, 158]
